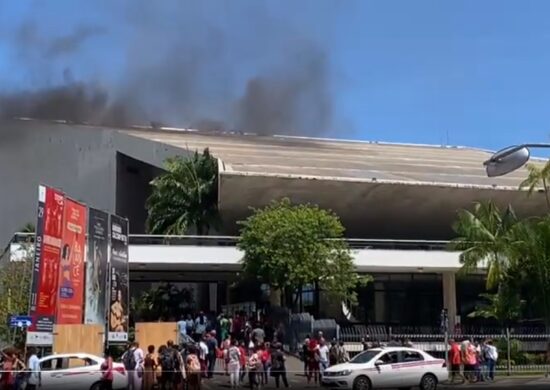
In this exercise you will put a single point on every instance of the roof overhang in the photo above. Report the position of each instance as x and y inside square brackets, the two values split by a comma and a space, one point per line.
[372, 208]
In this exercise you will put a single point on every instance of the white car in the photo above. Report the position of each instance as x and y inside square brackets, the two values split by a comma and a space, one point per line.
[78, 371]
[391, 367]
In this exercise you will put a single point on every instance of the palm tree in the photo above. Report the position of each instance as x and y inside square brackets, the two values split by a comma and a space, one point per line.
[28, 228]
[504, 306]
[185, 197]
[484, 238]
[531, 249]
[538, 177]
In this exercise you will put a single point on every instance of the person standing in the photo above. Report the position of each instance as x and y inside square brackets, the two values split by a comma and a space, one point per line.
[323, 357]
[305, 354]
[278, 366]
[343, 355]
[107, 372]
[193, 369]
[200, 325]
[34, 380]
[254, 368]
[212, 344]
[234, 364]
[203, 356]
[492, 358]
[243, 358]
[455, 360]
[133, 361]
[7, 375]
[149, 368]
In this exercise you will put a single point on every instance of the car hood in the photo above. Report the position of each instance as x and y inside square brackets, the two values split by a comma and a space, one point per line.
[347, 366]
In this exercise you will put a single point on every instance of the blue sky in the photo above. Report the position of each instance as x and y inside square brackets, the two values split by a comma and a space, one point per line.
[465, 72]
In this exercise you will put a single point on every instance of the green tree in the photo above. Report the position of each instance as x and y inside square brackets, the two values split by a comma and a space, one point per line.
[531, 251]
[163, 301]
[289, 246]
[185, 196]
[15, 284]
[484, 237]
[539, 176]
[505, 306]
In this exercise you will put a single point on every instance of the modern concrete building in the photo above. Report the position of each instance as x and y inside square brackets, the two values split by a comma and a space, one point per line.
[397, 201]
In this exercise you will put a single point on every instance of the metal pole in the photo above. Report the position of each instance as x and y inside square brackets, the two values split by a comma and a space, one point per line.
[508, 353]
[446, 346]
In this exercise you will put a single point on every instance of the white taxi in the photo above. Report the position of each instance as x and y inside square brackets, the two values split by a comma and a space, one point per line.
[78, 371]
[391, 367]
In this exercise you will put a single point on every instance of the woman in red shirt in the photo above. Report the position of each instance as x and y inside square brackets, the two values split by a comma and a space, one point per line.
[455, 360]
[107, 372]
[265, 358]
[243, 360]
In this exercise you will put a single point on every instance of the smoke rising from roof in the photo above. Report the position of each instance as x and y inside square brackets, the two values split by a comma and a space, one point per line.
[177, 65]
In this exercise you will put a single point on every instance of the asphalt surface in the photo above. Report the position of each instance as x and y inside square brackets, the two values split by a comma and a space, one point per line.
[297, 380]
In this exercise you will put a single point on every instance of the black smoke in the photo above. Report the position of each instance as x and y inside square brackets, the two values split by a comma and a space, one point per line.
[180, 69]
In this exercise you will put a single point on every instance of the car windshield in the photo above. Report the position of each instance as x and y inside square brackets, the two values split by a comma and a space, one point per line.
[364, 357]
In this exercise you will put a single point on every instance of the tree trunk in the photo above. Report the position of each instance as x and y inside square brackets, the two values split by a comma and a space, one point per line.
[545, 186]
[275, 295]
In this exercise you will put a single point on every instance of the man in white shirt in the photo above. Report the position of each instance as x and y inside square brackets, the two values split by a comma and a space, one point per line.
[492, 357]
[136, 376]
[323, 356]
[35, 377]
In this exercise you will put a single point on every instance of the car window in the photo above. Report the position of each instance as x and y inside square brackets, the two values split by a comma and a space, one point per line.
[390, 358]
[364, 357]
[75, 362]
[412, 356]
[51, 364]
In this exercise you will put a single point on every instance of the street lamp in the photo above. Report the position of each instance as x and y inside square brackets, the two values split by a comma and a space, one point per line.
[509, 159]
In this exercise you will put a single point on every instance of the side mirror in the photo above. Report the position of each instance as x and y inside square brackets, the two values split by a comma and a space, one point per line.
[378, 363]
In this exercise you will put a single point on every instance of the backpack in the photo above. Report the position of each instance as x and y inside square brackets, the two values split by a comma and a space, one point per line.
[277, 361]
[167, 361]
[129, 360]
[193, 364]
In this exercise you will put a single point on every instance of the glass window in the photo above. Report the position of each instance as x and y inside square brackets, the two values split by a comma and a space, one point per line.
[390, 358]
[365, 357]
[75, 362]
[412, 356]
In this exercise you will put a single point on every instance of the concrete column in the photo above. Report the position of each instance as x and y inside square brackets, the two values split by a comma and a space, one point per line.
[449, 297]
[213, 296]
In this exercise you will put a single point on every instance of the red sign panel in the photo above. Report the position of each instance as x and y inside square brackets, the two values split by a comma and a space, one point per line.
[46, 262]
[71, 269]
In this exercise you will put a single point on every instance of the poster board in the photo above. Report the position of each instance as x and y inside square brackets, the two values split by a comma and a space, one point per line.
[83, 338]
[155, 333]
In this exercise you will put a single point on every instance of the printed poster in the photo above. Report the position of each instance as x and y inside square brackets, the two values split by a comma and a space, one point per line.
[43, 300]
[97, 267]
[71, 270]
[119, 281]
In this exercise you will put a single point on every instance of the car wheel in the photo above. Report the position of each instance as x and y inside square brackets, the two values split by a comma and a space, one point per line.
[428, 382]
[361, 383]
[96, 386]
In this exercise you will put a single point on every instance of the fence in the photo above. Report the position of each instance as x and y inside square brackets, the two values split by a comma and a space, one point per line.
[520, 349]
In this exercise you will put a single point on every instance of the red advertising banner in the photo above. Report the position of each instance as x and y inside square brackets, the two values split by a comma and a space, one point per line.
[71, 270]
[46, 261]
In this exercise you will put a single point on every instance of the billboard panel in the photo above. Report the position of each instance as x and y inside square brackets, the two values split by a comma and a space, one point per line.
[46, 264]
[97, 267]
[71, 270]
[119, 281]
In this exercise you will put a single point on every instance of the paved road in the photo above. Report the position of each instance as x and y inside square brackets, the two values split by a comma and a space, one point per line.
[297, 380]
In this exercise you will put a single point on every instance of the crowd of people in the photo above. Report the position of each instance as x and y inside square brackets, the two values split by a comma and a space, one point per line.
[241, 347]
[318, 355]
[472, 361]
[16, 373]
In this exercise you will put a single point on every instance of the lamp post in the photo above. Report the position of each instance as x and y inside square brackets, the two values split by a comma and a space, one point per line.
[509, 159]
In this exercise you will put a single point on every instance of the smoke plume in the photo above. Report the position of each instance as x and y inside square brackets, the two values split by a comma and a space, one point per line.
[176, 67]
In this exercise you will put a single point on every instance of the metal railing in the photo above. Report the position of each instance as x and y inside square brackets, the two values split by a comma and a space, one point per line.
[354, 243]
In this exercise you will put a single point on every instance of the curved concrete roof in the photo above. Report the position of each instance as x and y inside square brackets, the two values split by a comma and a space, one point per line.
[379, 190]
[340, 160]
